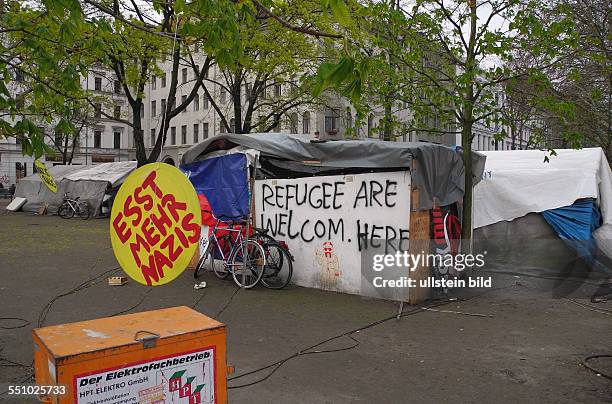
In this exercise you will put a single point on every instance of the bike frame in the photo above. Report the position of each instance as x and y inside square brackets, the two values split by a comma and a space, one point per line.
[236, 242]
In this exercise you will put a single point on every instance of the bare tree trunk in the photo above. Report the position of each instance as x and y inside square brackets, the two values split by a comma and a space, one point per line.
[141, 154]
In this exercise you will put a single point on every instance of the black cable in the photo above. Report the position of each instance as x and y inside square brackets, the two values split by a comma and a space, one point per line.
[88, 283]
[308, 351]
[23, 320]
[229, 301]
[600, 373]
[142, 299]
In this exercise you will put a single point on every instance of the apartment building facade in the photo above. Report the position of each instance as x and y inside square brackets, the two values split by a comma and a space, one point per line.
[101, 138]
[107, 136]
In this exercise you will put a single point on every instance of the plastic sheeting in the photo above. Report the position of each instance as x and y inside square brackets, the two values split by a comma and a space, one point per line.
[519, 182]
[516, 183]
[90, 183]
[439, 169]
[221, 182]
[575, 222]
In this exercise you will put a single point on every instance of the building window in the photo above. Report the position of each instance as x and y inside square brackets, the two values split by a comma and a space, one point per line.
[142, 110]
[184, 134]
[117, 112]
[232, 125]
[98, 83]
[20, 170]
[370, 125]
[183, 99]
[222, 128]
[97, 139]
[152, 137]
[184, 74]
[278, 90]
[196, 130]
[293, 120]
[117, 140]
[331, 120]
[117, 87]
[153, 108]
[196, 102]
[153, 82]
[222, 94]
[205, 130]
[247, 90]
[163, 80]
[163, 106]
[173, 135]
[205, 101]
[306, 122]
[98, 110]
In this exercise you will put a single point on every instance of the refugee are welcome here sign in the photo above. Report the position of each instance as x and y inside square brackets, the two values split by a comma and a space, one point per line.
[155, 224]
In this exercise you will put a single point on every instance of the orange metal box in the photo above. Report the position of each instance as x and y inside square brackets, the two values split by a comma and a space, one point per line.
[174, 355]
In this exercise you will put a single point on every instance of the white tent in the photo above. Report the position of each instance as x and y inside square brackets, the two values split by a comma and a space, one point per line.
[91, 183]
[518, 182]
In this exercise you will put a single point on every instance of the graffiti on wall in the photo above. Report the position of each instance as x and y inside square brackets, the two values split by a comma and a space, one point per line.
[283, 211]
[329, 265]
[334, 224]
[4, 179]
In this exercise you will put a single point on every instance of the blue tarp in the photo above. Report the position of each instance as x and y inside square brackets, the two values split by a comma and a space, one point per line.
[222, 181]
[575, 222]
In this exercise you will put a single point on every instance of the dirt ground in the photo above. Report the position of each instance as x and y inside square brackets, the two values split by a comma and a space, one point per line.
[527, 348]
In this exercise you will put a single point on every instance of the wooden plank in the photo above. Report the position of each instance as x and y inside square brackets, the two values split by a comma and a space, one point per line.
[419, 243]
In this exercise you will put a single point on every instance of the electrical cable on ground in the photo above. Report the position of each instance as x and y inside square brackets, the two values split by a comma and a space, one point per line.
[308, 351]
[592, 369]
[88, 283]
[25, 323]
[142, 299]
[229, 301]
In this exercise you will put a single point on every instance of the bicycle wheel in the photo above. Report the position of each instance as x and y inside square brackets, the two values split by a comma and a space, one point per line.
[83, 208]
[247, 274]
[279, 266]
[217, 264]
[65, 211]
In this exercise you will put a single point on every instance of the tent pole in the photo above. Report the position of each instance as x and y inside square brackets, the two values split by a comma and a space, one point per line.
[249, 216]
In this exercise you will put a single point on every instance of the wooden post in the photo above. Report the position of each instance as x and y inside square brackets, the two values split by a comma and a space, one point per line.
[419, 242]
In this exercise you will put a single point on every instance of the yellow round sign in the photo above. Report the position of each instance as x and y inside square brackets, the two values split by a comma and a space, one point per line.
[155, 224]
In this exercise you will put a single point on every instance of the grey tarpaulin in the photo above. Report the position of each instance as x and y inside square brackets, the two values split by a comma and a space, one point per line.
[439, 169]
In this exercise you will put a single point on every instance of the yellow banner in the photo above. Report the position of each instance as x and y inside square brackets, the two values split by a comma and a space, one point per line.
[155, 224]
[45, 176]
